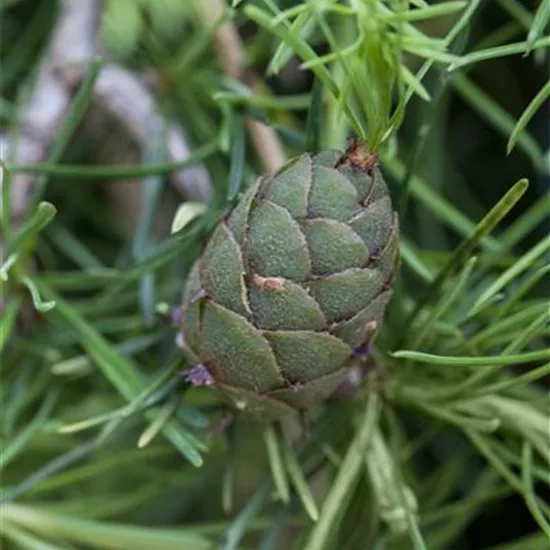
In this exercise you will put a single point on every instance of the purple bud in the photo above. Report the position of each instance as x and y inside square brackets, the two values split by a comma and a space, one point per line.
[198, 376]
[175, 316]
[362, 353]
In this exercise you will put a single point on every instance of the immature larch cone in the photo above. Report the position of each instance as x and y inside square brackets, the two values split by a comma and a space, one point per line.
[293, 283]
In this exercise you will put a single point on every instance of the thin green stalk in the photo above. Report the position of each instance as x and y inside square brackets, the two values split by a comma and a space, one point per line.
[346, 478]
[116, 172]
[18, 443]
[109, 536]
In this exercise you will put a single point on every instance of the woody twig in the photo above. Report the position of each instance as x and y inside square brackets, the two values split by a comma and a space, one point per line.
[232, 56]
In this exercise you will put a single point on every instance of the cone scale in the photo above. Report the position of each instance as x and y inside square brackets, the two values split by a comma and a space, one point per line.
[293, 282]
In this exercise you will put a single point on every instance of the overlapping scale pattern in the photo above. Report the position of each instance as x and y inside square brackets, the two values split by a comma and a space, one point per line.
[292, 282]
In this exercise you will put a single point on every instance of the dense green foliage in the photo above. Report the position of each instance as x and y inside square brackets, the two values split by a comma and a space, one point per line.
[446, 444]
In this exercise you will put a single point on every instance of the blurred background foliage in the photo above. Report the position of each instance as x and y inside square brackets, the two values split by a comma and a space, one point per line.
[447, 445]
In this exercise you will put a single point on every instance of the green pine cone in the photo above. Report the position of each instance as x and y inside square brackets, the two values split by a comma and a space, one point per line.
[293, 282]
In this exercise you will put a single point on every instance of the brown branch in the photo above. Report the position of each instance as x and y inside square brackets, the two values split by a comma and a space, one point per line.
[232, 56]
